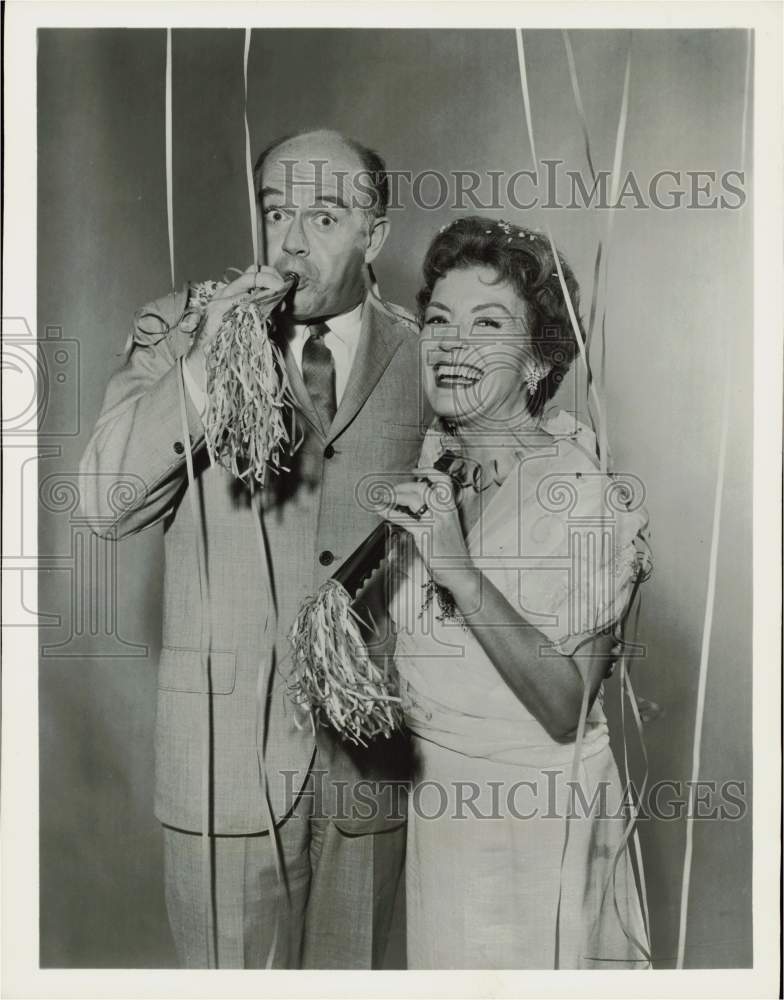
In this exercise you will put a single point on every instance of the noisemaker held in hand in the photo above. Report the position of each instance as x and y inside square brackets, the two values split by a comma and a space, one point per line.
[248, 393]
[335, 677]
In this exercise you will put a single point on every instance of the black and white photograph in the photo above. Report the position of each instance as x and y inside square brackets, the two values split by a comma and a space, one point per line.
[392, 500]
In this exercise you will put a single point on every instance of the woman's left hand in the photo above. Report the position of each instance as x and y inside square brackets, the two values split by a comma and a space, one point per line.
[433, 522]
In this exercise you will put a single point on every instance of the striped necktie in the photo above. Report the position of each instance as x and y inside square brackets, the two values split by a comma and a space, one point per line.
[318, 373]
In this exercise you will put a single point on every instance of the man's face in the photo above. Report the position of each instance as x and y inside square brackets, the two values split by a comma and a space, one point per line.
[313, 225]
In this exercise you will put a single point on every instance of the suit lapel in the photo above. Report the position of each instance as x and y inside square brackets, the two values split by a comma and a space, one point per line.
[379, 339]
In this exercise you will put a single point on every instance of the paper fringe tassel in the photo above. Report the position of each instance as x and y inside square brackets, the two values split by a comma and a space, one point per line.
[248, 393]
[334, 676]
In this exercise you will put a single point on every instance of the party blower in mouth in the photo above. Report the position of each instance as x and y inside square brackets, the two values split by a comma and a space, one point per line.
[249, 418]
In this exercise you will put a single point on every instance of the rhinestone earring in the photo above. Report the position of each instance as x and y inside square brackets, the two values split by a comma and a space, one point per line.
[533, 377]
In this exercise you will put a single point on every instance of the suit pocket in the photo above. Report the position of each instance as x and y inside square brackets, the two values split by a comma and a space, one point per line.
[408, 433]
[179, 669]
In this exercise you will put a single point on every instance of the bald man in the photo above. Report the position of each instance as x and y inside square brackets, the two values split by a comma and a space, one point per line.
[352, 360]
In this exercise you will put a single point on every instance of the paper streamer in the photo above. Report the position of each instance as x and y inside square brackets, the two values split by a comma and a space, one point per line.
[169, 175]
[600, 430]
[254, 234]
[263, 685]
[205, 643]
[711, 591]
[620, 136]
[602, 445]
[205, 639]
[602, 433]
[576, 760]
[703, 674]
[576, 328]
[578, 100]
[602, 248]
[626, 687]
[626, 684]
[526, 95]
[264, 678]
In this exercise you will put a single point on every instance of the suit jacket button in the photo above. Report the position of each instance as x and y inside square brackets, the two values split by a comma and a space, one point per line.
[179, 447]
[329, 451]
[326, 558]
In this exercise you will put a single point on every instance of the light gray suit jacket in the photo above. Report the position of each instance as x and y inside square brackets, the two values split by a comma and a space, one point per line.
[135, 472]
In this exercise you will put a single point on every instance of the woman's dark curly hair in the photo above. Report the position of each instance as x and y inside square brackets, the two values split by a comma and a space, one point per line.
[524, 258]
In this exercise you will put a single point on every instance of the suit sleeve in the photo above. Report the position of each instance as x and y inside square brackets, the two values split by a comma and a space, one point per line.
[133, 469]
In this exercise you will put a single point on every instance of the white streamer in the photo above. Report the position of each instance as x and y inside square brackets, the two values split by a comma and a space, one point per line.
[710, 596]
[169, 178]
[248, 161]
[601, 433]
[526, 96]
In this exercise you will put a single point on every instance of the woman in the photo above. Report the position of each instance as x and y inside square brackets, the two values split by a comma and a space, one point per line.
[511, 591]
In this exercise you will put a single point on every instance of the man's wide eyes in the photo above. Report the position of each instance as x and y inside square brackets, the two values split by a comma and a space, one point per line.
[321, 220]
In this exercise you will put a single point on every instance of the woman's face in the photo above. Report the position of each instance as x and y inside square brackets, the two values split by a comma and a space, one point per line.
[475, 349]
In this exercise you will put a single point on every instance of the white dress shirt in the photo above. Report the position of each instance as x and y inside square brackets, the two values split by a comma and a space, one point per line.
[342, 338]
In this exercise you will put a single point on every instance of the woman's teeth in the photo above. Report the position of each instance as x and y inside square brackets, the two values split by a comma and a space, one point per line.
[454, 375]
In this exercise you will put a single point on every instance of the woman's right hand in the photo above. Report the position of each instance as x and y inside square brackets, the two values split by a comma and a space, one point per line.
[254, 279]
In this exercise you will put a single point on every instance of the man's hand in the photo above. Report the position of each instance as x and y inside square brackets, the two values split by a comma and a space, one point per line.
[253, 280]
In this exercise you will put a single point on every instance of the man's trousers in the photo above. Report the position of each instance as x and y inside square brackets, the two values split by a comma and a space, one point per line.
[338, 911]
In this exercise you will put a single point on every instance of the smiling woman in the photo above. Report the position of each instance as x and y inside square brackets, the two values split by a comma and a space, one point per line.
[535, 559]
[522, 306]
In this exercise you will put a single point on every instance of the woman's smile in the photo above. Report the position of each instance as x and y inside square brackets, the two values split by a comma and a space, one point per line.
[451, 374]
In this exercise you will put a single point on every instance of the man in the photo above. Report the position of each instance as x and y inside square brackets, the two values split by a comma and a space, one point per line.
[353, 367]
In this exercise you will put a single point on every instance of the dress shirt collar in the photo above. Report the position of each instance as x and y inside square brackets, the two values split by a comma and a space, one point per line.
[345, 326]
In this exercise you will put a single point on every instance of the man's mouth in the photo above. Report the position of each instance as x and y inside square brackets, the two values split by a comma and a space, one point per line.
[303, 279]
[451, 375]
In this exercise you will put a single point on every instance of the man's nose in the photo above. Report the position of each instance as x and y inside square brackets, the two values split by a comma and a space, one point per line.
[295, 242]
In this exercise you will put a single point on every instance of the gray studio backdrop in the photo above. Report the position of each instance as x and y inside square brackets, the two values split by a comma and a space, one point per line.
[679, 281]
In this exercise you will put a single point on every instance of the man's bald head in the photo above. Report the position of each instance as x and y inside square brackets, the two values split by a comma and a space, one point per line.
[368, 169]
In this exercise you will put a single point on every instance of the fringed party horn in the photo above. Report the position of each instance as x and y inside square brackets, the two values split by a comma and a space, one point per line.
[335, 677]
[248, 392]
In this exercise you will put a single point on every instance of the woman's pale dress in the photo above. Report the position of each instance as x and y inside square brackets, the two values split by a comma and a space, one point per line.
[489, 883]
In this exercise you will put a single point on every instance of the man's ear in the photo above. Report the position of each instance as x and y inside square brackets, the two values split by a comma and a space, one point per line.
[377, 237]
